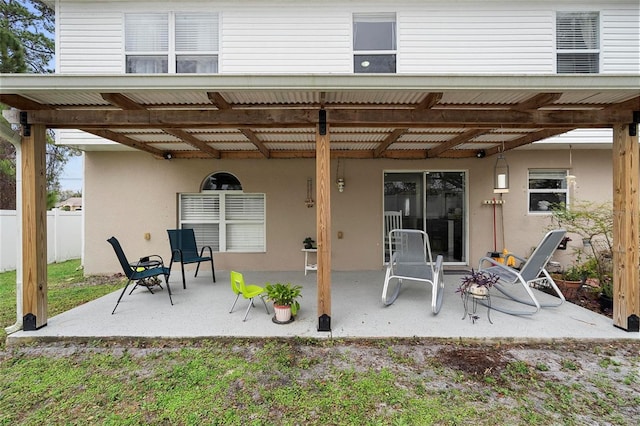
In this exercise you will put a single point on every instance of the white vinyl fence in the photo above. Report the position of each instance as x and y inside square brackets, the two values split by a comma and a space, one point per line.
[64, 237]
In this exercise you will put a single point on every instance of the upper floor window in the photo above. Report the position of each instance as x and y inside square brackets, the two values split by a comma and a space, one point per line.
[171, 43]
[578, 42]
[547, 188]
[374, 43]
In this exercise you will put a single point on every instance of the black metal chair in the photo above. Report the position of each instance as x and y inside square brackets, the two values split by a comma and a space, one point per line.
[185, 251]
[143, 269]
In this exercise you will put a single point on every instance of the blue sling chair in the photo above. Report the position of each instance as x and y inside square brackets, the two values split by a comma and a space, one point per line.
[138, 271]
[185, 251]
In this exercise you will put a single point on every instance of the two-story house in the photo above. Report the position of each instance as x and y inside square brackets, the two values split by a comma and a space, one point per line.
[260, 123]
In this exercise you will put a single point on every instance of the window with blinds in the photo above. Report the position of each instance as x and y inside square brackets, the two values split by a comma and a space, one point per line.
[578, 42]
[546, 189]
[146, 42]
[154, 46]
[226, 221]
[196, 43]
[374, 43]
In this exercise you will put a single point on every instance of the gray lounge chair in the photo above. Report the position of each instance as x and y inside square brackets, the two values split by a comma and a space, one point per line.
[532, 272]
[411, 260]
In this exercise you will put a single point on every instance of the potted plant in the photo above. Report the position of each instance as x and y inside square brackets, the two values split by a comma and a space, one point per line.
[308, 243]
[570, 280]
[284, 298]
[606, 294]
[477, 283]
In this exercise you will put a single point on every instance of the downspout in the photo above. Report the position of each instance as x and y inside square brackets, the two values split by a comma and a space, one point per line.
[14, 138]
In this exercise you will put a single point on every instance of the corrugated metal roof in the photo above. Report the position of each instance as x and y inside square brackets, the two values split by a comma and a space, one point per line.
[371, 113]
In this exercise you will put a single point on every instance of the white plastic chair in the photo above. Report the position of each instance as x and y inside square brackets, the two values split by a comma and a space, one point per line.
[411, 260]
[392, 220]
[533, 271]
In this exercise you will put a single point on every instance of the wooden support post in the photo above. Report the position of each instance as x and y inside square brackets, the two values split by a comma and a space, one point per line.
[626, 229]
[323, 221]
[34, 228]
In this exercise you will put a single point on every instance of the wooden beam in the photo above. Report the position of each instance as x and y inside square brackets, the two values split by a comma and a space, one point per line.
[121, 101]
[20, 102]
[537, 101]
[124, 140]
[429, 101]
[323, 225]
[250, 134]
[631, 104]
[218, 100]
[34, 229]
[453, 142]
[394, 136]
[527, 139]
[221, 103]
[276, 118]
[626, 229]
[194, 142]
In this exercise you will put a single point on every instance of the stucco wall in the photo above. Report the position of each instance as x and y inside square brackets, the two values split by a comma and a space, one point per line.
[130, 194]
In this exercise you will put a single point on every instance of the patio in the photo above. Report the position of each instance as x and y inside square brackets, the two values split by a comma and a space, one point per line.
[202, 310]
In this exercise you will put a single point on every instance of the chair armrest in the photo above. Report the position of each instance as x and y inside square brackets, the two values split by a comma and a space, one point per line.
[208, 248]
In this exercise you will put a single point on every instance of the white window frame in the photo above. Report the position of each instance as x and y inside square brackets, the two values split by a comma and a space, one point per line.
[206, 49]
[563, 190]
[231, 238]
[566, 54]
[376, 17]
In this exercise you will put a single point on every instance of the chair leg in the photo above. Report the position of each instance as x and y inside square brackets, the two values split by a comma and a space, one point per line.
[119, 298]
[166, 279]
[265, 304]
[184, 283]
[234, 303]
[213, 271]
[248, 307]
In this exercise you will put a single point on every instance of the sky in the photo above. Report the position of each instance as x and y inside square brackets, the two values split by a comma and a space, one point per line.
[71, 178]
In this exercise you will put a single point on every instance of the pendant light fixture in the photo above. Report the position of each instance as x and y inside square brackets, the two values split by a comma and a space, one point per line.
[501, 174]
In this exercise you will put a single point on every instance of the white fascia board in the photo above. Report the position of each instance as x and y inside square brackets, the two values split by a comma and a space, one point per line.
[122, 83]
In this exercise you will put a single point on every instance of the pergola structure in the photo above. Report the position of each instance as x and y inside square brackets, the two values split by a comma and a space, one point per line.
[326, 117]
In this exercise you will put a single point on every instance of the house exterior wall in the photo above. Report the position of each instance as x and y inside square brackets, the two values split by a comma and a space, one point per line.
[261, 37]
[140, 205]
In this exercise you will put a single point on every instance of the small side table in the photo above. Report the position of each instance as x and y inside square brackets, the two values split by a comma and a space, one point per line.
[475, 298]
[309, 266]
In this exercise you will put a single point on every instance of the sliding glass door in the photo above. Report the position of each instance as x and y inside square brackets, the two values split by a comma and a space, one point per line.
[432, 201]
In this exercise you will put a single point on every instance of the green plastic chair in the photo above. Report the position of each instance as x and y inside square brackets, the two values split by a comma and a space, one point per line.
[248, 291]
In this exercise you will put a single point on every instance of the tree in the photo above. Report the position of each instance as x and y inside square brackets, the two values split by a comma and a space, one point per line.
[27, 46]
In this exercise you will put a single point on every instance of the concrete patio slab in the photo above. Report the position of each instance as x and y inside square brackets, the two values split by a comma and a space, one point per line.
[202, 310]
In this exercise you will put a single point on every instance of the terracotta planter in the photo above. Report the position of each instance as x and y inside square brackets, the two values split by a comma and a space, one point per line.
[569, 288]
[283, 313]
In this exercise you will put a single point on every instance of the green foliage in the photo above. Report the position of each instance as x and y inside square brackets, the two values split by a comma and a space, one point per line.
[284, 295]
[65, 291]
[26, 45]
[593, 222]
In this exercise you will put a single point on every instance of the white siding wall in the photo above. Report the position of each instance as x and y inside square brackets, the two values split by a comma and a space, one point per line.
[90, 37]
[477, 40]
[620, 49]
[287, 36]
[282, 39]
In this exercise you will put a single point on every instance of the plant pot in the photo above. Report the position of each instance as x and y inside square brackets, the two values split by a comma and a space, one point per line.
[283, 313]
[606, 302]
[478, 291]
[569, 288]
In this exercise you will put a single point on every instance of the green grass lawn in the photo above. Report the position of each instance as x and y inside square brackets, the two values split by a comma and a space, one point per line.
[234, 381]
[67, 288]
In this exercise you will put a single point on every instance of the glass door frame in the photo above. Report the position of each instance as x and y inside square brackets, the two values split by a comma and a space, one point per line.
[466, 212]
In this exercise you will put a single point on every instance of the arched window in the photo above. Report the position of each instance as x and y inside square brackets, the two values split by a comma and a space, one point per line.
[221, 181]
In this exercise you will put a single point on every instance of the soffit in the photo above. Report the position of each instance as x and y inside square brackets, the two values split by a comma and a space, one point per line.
[275, 116]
